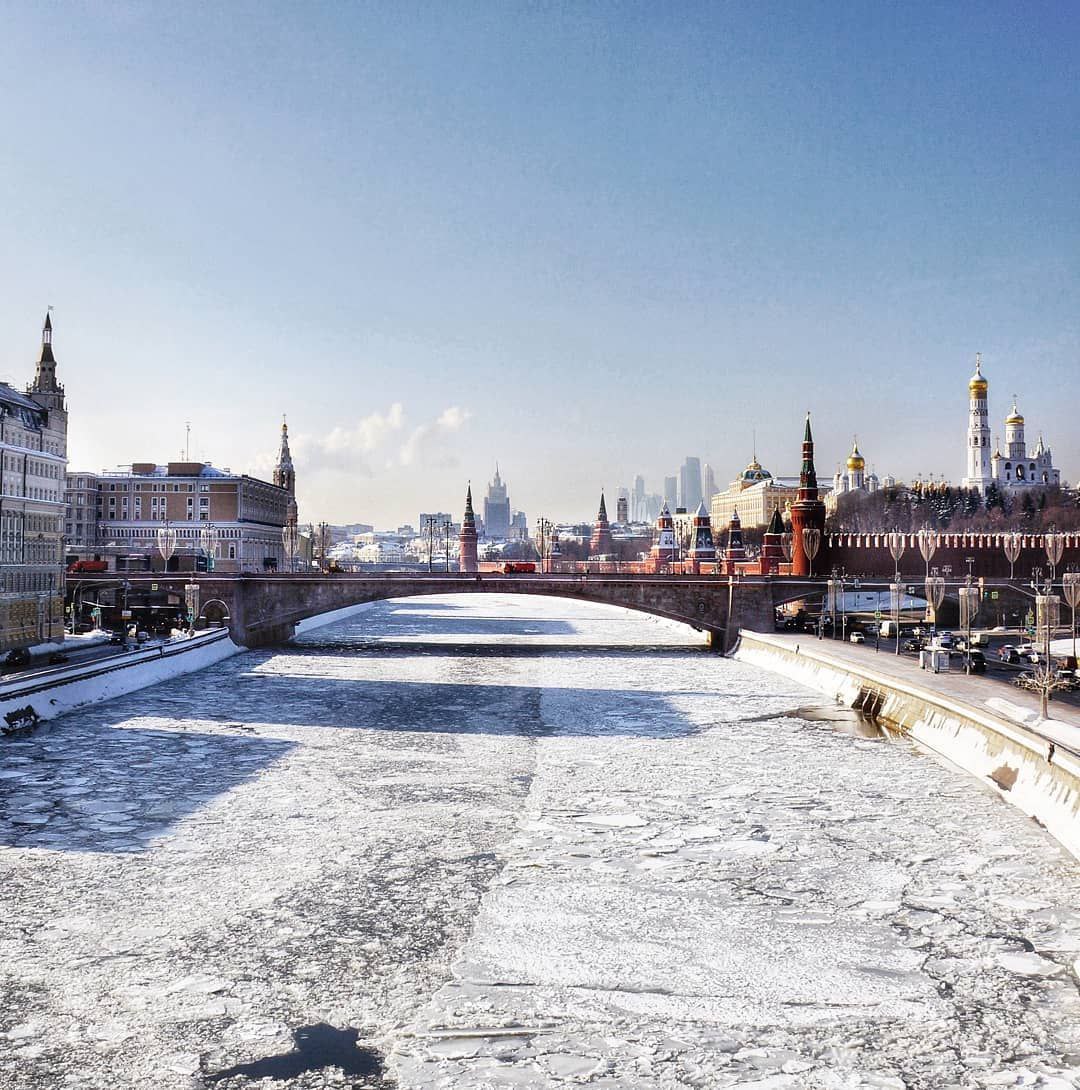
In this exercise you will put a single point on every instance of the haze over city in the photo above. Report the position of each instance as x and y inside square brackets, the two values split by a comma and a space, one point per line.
[582, 241]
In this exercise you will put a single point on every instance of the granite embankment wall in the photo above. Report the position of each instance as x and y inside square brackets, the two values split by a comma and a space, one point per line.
[1036, 770]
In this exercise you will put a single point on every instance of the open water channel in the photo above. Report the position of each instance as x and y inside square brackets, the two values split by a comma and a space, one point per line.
[488, 842]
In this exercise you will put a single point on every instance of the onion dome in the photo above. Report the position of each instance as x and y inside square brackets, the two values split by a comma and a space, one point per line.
[1015, 417]
[755, 472]
[978, 383]
[855, 459]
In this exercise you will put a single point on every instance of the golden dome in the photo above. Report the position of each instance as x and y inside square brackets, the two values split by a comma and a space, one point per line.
[855, 459]
[1015, 417]
[978, 383]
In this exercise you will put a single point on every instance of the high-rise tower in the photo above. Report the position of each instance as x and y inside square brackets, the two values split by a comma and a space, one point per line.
[978, 475]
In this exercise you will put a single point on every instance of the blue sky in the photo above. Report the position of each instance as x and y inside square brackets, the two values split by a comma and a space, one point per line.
[584, 240]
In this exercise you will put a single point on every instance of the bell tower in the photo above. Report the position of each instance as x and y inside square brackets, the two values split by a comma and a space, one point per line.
[979, 475]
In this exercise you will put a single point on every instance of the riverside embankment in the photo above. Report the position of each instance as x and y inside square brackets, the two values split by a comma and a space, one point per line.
[45, 694]
[1001, 739]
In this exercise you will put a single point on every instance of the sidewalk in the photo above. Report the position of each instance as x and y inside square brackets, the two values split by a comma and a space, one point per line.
[978, 691]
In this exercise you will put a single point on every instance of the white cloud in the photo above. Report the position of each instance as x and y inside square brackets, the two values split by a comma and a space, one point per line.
[376, 440]
[425, 441]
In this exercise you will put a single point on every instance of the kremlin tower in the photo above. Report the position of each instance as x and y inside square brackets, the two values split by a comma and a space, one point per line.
[662, 554]
[600, 544]
[736, 550]
[702, 550]
[772, 545]
[807, 512]
[467, 540]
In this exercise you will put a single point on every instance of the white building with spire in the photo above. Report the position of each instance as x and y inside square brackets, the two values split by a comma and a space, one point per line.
[1017, 467]
[979, 473]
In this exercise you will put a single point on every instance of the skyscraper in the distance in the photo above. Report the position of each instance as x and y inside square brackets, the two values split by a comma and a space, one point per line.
[690, 484]
[671, 492]
[637, 500]
[708, 483]
[497, 510]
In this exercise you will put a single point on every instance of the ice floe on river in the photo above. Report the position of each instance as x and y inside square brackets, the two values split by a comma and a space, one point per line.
[516, 842]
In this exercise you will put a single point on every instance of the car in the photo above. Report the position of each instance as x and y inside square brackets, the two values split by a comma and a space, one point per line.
[1068, 680]
[977, 661]
[913, 645]
[1008, 653]
[857, 637]
[946, 640]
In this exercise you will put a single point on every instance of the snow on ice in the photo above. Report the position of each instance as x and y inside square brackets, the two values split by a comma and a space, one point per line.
[516, 842]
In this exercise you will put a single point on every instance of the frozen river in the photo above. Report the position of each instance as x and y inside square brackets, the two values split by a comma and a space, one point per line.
[488, 842]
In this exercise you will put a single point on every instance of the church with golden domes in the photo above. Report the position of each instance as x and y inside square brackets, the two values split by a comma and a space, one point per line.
[852, 479]
[1017, 468]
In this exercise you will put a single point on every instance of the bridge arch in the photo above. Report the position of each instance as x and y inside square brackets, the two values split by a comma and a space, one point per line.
[264, 609]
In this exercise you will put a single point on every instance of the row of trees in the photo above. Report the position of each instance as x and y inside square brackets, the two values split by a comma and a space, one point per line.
[940, 507]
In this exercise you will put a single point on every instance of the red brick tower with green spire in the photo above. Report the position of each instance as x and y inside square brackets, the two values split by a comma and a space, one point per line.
[808, 511]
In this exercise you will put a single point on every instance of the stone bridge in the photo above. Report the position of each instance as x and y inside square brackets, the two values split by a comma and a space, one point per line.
[263, 610]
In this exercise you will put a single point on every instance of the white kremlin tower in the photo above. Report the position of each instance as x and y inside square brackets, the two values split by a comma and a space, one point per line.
[1016, 469]
[978, 475]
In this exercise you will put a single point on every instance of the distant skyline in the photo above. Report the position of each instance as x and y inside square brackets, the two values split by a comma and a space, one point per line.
[582, 241]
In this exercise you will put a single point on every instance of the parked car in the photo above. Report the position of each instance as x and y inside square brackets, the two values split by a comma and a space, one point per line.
[1068, 680]
[857, 637]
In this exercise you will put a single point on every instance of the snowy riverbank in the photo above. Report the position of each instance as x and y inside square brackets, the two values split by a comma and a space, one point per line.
[50, 693]
[1033, 763]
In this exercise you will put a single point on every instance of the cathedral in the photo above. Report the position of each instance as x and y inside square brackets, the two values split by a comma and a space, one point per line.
[1017, 468]
[855, 479]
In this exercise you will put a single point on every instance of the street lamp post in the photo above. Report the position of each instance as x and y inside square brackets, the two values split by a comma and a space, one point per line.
[166, 543]
[935, 595]
[896, 596]
[1047, 616]
[1055, 546]
[431, 520]
[1070, 584]
[447, 526]
[928, 543]
[1011, 543]
[897, 547]
[208, 538]
[969, 606]
[290, 541]
[811, 543]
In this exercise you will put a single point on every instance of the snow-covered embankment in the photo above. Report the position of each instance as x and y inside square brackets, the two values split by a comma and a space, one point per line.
[1035, 767]
[55, 692]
